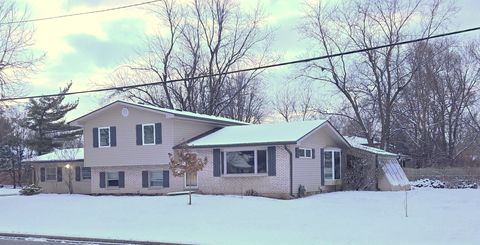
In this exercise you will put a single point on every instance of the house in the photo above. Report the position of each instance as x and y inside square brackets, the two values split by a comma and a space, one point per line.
[126, 148]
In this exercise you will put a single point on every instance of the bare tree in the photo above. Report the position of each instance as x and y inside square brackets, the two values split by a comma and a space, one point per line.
[69, 154]
[372, 81]
[295, 101]
[433, 119]
[203, 38]
[17, 59]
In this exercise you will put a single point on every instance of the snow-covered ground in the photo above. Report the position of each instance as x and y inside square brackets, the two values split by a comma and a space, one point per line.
[7, 190]
[436, 216]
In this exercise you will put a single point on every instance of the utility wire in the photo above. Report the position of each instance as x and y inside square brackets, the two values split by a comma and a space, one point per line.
[81, 13]
[121, 88]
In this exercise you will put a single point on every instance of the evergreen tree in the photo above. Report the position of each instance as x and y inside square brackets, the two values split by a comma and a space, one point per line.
[46, 118]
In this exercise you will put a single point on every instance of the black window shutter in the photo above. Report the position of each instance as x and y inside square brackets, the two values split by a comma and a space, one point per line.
[313, 153]
[322, 166]
[297, 154]
[222, 163]
[95, 137]
[138, 129]
[113, 136]
[158, 133]
[59, 174]
[216, 162]
[77, 173]
[121, 179]
[166, 178]
[42, 174]
[145, 179]
[102, 179]
[272, 160]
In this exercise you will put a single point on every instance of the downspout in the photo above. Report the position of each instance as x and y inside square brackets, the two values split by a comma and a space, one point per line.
[291, 168]
[377, 172]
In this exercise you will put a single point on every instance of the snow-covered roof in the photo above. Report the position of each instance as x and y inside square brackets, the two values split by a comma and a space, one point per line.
[59, 155]
[360, 143]
[258, 134]
[179, 113]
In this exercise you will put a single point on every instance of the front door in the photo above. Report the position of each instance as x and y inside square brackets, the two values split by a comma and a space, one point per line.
[191, 180]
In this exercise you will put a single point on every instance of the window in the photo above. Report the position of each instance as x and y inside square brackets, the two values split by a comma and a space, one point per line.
[156, 178]
[112, 179]
[305, 152]
[246, 162]
[261, 161]
[148, 134]
[86, 173]
[332, 164]
[104, 137]
[51, 173]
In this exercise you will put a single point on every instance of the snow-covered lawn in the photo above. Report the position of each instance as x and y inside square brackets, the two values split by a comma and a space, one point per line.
[436, 216]
[6, 190]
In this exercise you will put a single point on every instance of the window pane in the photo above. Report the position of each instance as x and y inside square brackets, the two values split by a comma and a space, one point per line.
[148, 135]
[86, 173]
[240, 162]
[51, 173]
[112, 179]
[105, 137]
[308, 153]
[301, 152]
[112, 175]
[261, 161]
[328, 165]
[337, 164]
[156, 178]
[191, 179]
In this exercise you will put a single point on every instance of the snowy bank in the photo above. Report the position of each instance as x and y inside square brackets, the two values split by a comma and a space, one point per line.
[436, 216]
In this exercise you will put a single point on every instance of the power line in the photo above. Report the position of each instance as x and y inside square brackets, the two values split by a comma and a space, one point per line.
[126, 87]
[81, 13]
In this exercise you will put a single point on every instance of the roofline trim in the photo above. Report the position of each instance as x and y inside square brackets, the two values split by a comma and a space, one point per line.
[243, 144]
[326, 122]
[140, 106]
[51, 161]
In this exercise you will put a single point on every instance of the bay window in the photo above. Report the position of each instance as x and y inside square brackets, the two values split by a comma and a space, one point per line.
[332, 158]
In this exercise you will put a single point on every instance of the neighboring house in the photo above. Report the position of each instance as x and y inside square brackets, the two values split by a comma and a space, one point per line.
[391, 176]
[126, 151]
[53, 171]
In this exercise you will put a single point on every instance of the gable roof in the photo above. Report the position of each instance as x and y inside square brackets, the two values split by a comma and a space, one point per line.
[177, 113]
[58, 155]
[361, 144]
[260, 134]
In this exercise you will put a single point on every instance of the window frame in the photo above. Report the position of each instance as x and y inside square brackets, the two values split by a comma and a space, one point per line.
[46, 174]
[333, 150]
[100, 138]
[143, 133]
[82, 171]
[255, 162]
[304, 150]
[150, 179]
[107, 179]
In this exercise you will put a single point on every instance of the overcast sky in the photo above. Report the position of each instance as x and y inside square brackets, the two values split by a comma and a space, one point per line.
[87, 49]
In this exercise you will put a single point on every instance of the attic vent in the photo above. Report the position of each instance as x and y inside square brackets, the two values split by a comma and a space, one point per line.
[125, 112]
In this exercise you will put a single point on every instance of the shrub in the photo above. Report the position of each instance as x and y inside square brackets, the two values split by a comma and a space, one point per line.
[251, 192]
[30, 190]
[302, 192]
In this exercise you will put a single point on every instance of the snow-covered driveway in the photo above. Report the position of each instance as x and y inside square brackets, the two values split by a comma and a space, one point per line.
[435, 217]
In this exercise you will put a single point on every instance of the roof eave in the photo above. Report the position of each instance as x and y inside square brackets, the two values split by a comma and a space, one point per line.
[52, 161]
[242, 144]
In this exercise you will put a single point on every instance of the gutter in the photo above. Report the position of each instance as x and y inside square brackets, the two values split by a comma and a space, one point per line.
[291, 168]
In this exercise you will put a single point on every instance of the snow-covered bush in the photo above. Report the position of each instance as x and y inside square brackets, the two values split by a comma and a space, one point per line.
[466, 185]
[251, 192]
[302, 192]
[30, 190]
[428, 183]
